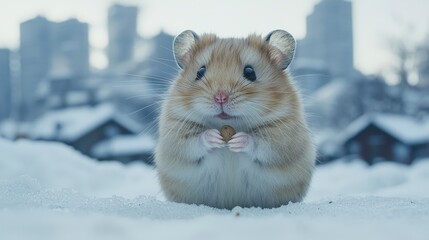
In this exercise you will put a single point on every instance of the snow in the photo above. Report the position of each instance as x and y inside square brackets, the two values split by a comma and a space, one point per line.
[56, 166]
[384, 179]
[49, 191]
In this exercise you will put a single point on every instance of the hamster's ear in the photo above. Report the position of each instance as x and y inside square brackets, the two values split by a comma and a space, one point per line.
[285, 46]
[181, 46]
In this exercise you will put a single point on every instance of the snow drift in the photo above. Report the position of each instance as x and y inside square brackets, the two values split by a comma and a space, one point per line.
[49, 191]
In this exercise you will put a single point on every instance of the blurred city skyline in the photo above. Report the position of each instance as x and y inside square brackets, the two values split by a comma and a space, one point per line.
[375, 22]
[49, 89]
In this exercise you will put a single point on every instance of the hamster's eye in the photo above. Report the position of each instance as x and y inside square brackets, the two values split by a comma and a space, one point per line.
[249, 73]
[201, 72]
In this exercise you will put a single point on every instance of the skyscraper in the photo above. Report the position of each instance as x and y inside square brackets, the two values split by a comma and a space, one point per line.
[50, 48]
[35, 57]
[5, 85]
[70, 48]
[122, 30]
[329, 38]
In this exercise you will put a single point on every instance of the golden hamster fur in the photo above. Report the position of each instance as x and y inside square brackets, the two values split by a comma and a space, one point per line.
[241, 83]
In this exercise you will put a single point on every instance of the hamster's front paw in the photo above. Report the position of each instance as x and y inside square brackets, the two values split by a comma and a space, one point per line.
[241, 142]
[211, 138]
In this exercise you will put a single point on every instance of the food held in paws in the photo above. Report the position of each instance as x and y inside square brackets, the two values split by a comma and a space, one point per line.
[227, 132]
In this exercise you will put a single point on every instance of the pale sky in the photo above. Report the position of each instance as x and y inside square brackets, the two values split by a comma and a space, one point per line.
[375, 21]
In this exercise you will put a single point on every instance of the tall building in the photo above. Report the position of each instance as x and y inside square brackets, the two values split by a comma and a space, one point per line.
[5, 85]
[423, 66]
[70, 48]
[122, 31]
[329, 38]
[35, 58]
[48, 48]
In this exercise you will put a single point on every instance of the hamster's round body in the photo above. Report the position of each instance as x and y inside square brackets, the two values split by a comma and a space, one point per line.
[241, 83]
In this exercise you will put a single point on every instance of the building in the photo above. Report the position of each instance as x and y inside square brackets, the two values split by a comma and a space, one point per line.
[5, 85]
[126, 148]
[150, 73]
[83, 127]
[122, 31]
[159, 62]
[70, 48]
[35, 57]
[328, 42]
[386, 137]
[423, 65]
[49, 49]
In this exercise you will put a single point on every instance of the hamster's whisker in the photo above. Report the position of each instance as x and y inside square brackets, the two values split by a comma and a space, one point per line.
[259, 119]
[141, 109]
[145, 77]
[234, 87]
[138, 95]
[247, 120]
[246, 82]
[278, 122]
[168, 49]
[172, 127]
[184, 87]
[266, 136]
[164, 59]
[182, 123]
[165, 64]
[151, 127]
[260, 105]
[137, 84]
[206, 86]
[207, 83]
[309, 75]
[154, 123]
[142, 76]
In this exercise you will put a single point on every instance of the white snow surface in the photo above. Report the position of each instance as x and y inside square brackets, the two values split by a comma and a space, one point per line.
[49, 191]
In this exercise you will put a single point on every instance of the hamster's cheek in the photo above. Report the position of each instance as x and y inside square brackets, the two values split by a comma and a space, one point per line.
[205, 107]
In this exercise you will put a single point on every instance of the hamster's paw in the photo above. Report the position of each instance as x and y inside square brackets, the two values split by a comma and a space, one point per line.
[211, 138]
[241, 142]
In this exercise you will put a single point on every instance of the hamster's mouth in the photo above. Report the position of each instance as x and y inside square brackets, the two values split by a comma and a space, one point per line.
[224, 116]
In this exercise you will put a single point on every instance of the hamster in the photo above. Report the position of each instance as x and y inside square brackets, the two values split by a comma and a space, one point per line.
[242, 83]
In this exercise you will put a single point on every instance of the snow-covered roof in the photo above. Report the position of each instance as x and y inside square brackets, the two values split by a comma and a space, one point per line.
[404, 128]
[70, 124]
[124, 145]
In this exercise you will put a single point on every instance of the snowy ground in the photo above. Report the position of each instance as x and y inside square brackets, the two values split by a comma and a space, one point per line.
[48, 191]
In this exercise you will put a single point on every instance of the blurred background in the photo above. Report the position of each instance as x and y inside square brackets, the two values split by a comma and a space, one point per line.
[91, 74]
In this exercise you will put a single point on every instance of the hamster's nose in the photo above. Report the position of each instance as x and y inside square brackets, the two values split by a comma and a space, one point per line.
[221, 97]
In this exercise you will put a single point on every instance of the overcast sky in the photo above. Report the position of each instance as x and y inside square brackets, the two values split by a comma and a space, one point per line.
[375, 21]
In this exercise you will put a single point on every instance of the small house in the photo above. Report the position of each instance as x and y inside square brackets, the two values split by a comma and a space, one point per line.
[126, 148]
[386, 137]
[83, 127]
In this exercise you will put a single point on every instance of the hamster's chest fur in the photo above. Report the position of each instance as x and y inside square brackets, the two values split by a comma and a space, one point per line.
[225, 179]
